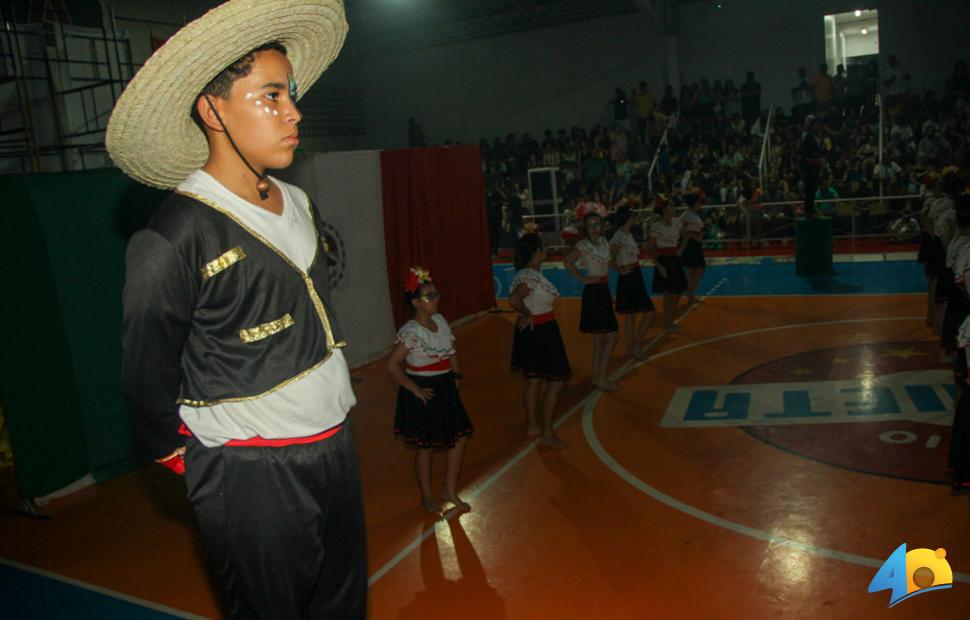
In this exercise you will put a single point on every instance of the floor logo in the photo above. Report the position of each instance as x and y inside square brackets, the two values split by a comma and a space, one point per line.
[909, 574]
[883, 408]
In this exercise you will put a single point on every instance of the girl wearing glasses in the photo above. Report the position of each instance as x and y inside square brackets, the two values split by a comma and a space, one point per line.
[430, 414]
[596, 315]
[537, 349]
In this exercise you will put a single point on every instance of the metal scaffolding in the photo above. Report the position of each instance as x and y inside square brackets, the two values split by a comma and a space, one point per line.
[58, 85]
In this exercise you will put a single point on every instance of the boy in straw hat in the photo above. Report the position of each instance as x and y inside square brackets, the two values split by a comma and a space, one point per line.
[232, 355]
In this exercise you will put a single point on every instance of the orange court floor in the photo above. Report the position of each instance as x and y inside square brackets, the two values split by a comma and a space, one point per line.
[717, 482]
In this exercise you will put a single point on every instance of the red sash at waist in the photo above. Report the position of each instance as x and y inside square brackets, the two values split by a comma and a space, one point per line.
[441, 366]
[541, 319]
[667, 251]
[601, 279]
[260, 442]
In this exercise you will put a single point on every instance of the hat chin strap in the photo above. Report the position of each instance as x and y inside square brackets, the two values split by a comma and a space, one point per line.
[262, 185]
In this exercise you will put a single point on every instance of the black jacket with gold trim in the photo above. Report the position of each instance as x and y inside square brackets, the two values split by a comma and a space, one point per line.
[214, 313]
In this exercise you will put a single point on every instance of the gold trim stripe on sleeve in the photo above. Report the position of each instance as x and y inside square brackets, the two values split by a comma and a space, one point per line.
[225, 261]
[253, 334]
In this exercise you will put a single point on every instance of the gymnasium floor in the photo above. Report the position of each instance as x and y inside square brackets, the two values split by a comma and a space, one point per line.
[763, 463]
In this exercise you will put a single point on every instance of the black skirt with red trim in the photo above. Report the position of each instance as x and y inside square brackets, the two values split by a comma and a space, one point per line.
[693, 256]
[440, 422]
[631, 293]
[539, 353]
[676, 280]
[596, 315]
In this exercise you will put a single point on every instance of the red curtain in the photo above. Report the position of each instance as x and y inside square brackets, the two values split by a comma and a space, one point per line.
[434, 217]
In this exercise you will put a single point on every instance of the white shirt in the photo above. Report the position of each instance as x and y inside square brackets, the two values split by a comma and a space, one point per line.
[691, 221]
[957, 245]
[314, 403]
[666, 235]
[594, 257]
[942, 213]
[542, 293]
[628, 252]
[426, 347]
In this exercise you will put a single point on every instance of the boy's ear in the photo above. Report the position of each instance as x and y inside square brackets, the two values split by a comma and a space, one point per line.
[204, 110]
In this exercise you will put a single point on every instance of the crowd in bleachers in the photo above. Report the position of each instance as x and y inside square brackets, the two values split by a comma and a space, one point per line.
[714, 139]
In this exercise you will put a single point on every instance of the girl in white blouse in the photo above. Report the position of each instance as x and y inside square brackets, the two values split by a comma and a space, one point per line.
[596, 316]
[430, 413]
[693, 231]
[668, 274]
[632, 299]
[537, 349]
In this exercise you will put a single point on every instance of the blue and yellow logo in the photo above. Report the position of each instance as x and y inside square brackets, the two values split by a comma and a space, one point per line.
[909, 574]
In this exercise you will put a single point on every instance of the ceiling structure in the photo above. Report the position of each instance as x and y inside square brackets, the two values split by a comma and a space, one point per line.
[386, 26]
[380, 27]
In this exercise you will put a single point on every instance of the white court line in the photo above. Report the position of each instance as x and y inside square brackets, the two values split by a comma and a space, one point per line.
[105, 591]
[488, 482]
[589, 431]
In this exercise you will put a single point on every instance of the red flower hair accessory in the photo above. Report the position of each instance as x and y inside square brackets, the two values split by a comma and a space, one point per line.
[416, 277]
[588, 208]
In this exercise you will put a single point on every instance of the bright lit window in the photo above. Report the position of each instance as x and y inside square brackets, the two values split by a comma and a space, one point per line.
[851, 38]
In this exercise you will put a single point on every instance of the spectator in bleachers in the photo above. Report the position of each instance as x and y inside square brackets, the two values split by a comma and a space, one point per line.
[645, 105]
[621, 112]
[750, 99]
[668, 105]
[801, 97]
[822, 87]
[897, 85]
[932, 146]
[839, 86]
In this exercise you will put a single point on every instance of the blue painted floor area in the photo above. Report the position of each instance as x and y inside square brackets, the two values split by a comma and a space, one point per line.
[762, 276]
[26, 595]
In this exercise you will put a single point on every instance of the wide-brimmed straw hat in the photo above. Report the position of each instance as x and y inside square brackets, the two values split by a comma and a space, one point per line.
[151, 135]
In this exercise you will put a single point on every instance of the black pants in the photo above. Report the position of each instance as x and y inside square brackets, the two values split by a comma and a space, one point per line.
[283, 527]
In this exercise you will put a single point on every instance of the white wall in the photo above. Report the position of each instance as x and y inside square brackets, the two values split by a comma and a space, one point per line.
[861, 45]
[773, 38]
[542, 79]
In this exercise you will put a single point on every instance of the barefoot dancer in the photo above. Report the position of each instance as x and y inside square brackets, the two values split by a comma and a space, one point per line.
[537, 350]
[596, 316]
[632, 299]
[693, 254]
[668, 274]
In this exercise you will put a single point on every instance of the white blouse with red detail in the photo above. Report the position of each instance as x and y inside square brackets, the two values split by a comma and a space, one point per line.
[426, 347]
[542, 293]
[691, 221]
[628, 252]
[667, 235]
[594, 257]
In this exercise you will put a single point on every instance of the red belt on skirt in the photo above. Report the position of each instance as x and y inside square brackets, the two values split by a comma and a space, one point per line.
[441, 366]
[601, 279]
[667, 251]
[541, 319]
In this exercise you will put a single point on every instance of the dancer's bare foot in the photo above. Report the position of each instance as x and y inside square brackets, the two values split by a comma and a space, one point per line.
[453, 498]
[430, 504]
[553, 441]
[532, 432]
